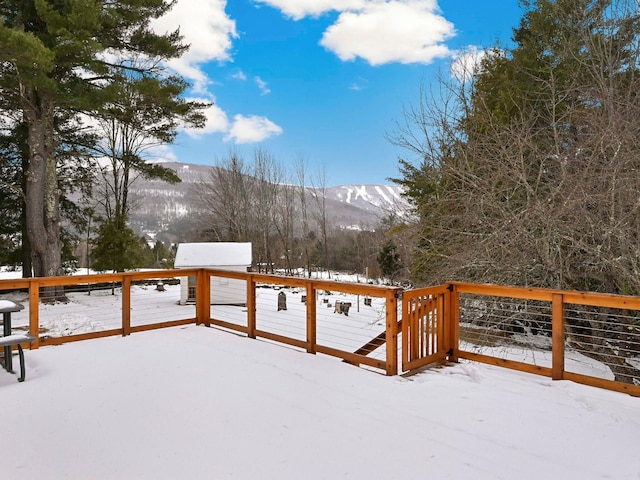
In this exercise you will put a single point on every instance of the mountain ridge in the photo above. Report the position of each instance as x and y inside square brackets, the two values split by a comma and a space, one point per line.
[157, 204]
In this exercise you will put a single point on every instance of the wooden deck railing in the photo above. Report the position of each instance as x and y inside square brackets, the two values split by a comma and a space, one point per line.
[315, 334]
[39, 305]
[563, 335]
[133, 313]
[559, 334]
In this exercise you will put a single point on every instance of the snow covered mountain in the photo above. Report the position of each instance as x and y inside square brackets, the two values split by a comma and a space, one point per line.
[363, 206]
[379, 200]
[158, 204]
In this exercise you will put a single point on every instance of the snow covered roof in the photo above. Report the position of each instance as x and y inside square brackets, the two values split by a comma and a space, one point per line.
[213, 254]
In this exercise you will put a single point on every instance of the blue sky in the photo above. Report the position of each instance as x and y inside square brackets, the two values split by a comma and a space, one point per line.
[321, 80]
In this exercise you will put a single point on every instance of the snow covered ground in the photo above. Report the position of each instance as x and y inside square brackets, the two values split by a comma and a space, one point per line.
[100, 310]
[200, 403]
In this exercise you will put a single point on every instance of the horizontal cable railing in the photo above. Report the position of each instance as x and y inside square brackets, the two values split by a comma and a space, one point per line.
[584, 337]
[355, 322]
[607, 337]
[508, 329]
[72, 308]
[348, 320]
[157, 302]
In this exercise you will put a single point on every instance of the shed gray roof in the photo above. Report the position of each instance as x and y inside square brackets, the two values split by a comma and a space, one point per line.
[213, 254]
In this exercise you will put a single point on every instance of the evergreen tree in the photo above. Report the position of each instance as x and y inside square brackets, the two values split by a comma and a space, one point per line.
[71, 57]
[11, 195]
[163, 257]
[389, 260]
[116, 248]
[525, 169]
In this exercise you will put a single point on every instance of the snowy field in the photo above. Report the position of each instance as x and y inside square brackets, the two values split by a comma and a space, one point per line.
[100, 310]
[199, 403]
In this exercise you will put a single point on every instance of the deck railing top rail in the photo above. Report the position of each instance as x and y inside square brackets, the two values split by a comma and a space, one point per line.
[546, 294]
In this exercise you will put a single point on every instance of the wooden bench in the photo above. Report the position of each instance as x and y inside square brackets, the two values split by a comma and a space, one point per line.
[10, 341]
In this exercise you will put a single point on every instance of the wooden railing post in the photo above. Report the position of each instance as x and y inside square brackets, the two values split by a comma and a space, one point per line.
[34, 312]
[441, 320]
[408, 330]
[203, 298]
[251, 307]
[126, 305]
[311, 318]
[557, 336]
[452, 323]
[391, 335]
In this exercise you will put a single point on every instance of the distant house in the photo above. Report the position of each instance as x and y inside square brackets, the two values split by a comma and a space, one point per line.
[233, 256]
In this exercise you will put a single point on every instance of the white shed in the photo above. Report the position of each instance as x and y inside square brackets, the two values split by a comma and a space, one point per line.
[234, 256]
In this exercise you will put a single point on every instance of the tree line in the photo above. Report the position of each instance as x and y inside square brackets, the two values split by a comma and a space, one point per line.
[283, 212]
[524, 168]
[81, 83]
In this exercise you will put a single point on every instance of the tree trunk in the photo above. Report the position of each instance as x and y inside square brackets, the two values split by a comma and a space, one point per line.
[42, 195]
[27, 266]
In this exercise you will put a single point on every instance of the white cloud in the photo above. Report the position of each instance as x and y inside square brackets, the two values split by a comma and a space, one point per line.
[358, 85]
[379, 31]
[466, 63]
[209, 32]
[262, 85]
[239, 75]
[216, 122]
[206, 28]
[391, 31]
[162, 153]
[252, 129]
[298, 9]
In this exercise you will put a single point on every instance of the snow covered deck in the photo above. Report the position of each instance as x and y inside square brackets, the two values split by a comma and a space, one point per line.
[197, 402]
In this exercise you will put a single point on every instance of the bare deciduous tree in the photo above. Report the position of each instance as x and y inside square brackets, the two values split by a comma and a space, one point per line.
[224, 196]
[527, 172]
